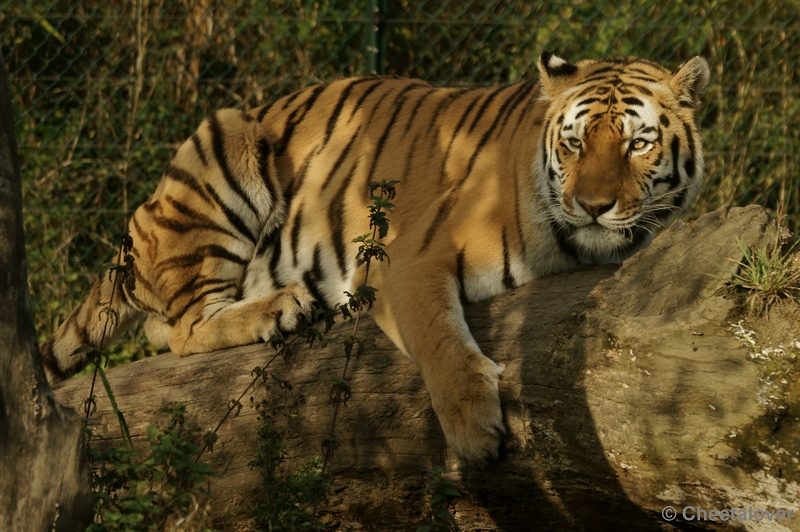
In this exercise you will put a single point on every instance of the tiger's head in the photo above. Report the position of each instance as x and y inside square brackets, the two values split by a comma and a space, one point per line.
[620, 151]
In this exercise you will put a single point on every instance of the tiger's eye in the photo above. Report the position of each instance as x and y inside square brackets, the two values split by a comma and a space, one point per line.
[575, 143]
[639, 144]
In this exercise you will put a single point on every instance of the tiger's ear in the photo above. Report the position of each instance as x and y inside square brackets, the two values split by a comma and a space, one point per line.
[556, 74]
[691, 80]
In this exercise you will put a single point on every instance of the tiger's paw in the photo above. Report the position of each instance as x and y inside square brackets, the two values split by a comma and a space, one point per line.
[469, 409]
[292, 304]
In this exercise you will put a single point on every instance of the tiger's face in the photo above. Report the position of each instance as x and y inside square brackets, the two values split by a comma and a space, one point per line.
[620, 151]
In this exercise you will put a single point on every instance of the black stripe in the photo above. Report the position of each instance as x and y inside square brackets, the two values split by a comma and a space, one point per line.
[273, 262]
[295, 235]
[49, 359]
[297, 182]
[291, 98]
[506, 106]
[485, 105]
[198, 298]
[664, 120]
[336, 219]
[198, 256]
[182, 176]
[201, 221]
[191, 287]
[218, 144]
[631, 112]
[517, 98]
[459, 125]
[508, 278]
[398, 104]
[463, 119]
[449, 202]
[675, 177]
[528, 106]
[517, 219]
[234, 219]
[312, 278]
[295, 118]
[643, 78]
[446, 102]
[643, 90]
[563, 242]
[141, 233]
[142, 285]
[267, 241]
[340, 160]
[199, 149]
[263, 170]
[602, 78]
[417, 105]
[545, 152]
[462, 286]
[337, 110]
[580, 114]
[410, 156]
[603, 70]
[587, 101]
[633, 101]
[689, 165]
[657, 162]
[363, 97]
[441, 215]
[264, 110]
[377, 106]
[593, 89]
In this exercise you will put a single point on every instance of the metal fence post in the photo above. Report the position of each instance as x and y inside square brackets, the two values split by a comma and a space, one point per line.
[376, 37]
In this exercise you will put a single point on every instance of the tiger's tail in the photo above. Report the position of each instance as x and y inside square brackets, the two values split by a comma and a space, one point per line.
[93, 324]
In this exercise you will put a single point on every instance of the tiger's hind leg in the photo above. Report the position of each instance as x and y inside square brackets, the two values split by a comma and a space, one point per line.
[95, 323]
[217, 325]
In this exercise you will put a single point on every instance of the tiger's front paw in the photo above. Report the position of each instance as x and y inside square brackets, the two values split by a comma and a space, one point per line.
[468, 406]
[293, 303]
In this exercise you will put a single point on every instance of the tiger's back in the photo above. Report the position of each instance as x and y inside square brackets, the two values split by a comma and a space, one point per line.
[254, 218]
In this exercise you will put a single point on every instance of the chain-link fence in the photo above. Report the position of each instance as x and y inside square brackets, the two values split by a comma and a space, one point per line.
[105, 90]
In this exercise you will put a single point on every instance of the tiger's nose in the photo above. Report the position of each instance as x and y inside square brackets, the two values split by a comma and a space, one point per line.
[596, 208]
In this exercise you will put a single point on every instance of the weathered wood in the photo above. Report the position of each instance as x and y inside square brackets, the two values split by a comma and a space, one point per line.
[44, 483]
[624, 391]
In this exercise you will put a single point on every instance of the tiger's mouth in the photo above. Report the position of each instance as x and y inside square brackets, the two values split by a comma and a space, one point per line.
[598, 243]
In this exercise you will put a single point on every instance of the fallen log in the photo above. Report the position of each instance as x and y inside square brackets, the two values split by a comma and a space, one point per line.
[626, 390]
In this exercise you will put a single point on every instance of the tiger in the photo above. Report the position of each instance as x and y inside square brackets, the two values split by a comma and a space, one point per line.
[251, 225]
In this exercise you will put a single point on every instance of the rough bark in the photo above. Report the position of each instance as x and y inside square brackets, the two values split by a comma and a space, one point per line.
[44, 481]
[625, 390]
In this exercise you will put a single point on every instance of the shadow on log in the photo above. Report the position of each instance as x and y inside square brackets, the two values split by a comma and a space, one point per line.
[626, 390]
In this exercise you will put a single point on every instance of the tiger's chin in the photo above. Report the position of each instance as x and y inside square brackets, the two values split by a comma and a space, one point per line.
[597, 244]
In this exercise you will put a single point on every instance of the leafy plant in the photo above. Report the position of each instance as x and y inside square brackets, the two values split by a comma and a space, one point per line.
[440, 490]
[152, 489]
[288, 499]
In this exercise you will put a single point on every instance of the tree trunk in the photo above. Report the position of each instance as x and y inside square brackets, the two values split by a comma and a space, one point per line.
[625, 390]
[44, 479]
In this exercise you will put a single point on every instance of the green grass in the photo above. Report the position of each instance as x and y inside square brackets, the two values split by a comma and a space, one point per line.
[767, 275]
